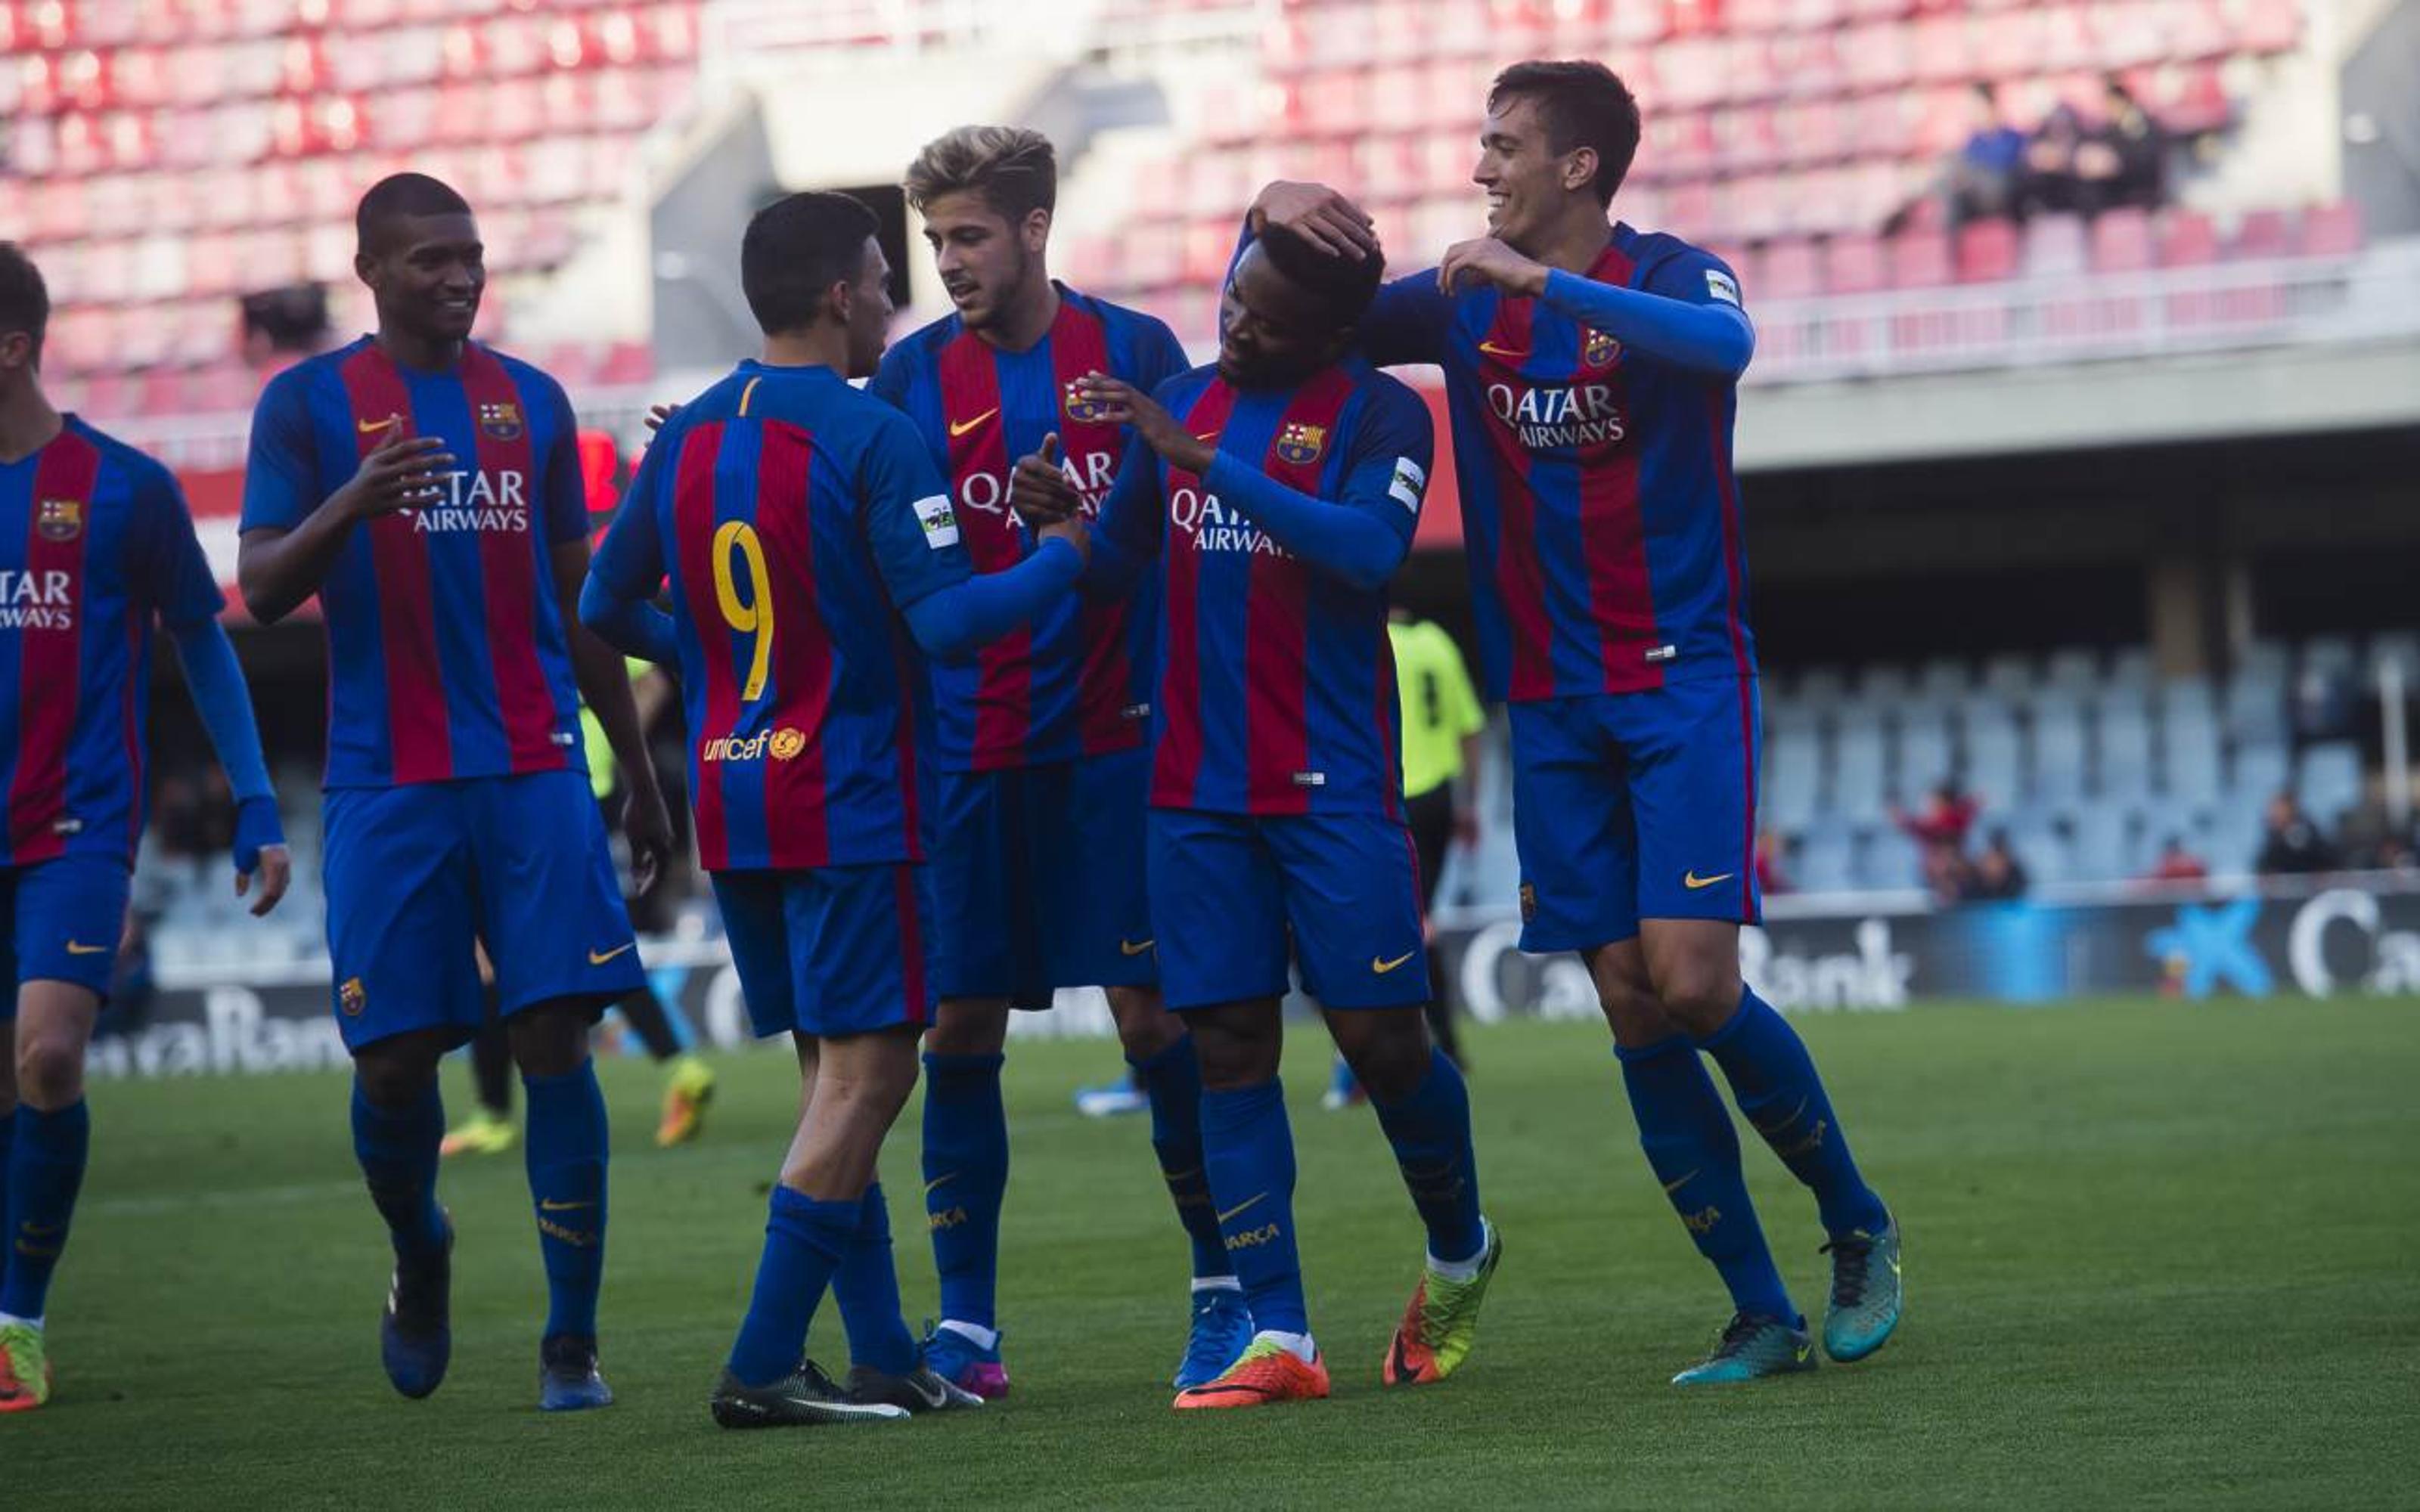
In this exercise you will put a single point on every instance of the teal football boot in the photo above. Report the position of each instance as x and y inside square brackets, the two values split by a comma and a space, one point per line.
[1865, 1292]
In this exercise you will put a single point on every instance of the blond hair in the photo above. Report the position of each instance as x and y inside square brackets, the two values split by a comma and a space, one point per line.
[1015, 170]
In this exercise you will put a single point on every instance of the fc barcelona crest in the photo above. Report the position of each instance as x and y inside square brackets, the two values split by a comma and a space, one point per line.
[1299, 443]
[60, 519]
[1081, 410]
[499, 421]
[1600, 351]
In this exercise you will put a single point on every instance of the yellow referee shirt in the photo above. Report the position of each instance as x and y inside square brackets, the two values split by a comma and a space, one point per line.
[1440, 707]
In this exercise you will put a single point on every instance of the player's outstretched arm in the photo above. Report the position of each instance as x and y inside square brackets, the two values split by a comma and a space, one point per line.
[224, 704]
[1407, 321]
[1697, 325]
[954, 622]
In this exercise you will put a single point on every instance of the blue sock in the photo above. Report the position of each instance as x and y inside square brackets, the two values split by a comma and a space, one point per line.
[567, 1156]
[7, 1143]
[1247, 1148]
[804, 1240]
[1695, 1151]
[866, 1286]
[1775, 1081]
[966, 1176]
[1430, 1133]
[46, 1167]
[1173, 1080]
[397, 1150]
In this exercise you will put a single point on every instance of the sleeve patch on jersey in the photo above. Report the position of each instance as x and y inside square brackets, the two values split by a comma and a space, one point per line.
[1721, 285]
[940, 522]
[1408, 485]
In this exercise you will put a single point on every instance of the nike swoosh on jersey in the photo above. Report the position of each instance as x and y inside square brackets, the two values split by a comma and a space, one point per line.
[959, 427]
[1693, 882]
[1129, 948]
[79, 948]
[1494, 350]
[368, 425]
[597, 957]
[1382, 967]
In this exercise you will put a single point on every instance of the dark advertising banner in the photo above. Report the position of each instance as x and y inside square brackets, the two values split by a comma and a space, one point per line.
[2312, 941]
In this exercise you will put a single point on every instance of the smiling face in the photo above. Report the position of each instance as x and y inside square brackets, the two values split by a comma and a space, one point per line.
[427, 275]
[988, 264]
[1529, 186]
[1272, 333]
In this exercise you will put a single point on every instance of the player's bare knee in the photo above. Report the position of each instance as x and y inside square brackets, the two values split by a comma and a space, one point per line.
[1145, 1027]
[50, 1070]
[393, 1074]
[1700, 996]
[1236, 1047]
[1388, 1049]
[549, 1040]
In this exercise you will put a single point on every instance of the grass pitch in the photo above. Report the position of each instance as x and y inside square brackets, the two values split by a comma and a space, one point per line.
[2157, 1255]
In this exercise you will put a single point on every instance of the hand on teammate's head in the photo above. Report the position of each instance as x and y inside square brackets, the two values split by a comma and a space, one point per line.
[1318, 214]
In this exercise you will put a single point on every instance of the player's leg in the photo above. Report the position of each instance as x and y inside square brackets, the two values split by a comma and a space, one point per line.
[1430, 817]
[489, 1130]
[1694, 792]
[1091, 861]
[1219, 914]
[858, 942]
[986, 958]
[1351, 891]
[1579, 838]
[561, 940]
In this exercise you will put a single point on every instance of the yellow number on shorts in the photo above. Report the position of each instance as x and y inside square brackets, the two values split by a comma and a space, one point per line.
[754, 617]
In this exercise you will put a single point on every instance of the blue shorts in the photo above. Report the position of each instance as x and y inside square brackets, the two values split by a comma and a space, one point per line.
[832, 950]
[65, 918]
[1230, 893]
[416, 874]
[1632, 806]
[1039, 872]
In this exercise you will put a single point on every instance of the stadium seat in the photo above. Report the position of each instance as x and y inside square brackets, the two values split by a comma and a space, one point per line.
[2262, 234]
[2260, 770]
[2057, 749]
[1924, 752]
[2332, 230]
[1987, 251]
[2121, 242]
[2187, 239]
[2123, 770]
[1792, 776]
[1921, 259]
[2330, 780]
[1858, 771]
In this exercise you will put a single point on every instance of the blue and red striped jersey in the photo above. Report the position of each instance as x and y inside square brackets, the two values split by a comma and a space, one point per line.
[1598, 502]
[96, 545]
[1276, 682]
[797, 519]
[1077, 681]
[447, 651]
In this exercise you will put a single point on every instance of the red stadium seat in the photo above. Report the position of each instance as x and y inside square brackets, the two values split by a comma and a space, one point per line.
[2262, 234]
[2054, 246]
[2332, 230]
[1921, 259]
[1986, 251]
[1942, 55]
[1791, 271]
[2121, 242]
[2187, 239]
[1856, 265]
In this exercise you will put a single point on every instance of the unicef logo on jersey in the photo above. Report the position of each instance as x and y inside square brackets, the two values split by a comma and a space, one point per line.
[1080, 409]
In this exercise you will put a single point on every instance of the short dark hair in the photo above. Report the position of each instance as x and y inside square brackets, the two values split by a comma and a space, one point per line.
[398, 195]
[1583, 104]
[794, 249]
[24, 299]
[1015, 170]
[1345, 284]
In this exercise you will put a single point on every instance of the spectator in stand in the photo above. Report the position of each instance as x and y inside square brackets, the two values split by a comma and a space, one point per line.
[2124, 160]
[1771, 844]
[1996, 876]
[2294, 845]
[2051, 180]
[1983, 177]
[2177, 864]
[1940, 830]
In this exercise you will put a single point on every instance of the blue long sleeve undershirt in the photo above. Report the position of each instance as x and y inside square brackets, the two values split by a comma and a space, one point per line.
[633, 626]
[224, 704]
[1350, 543]
[1715, 339]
